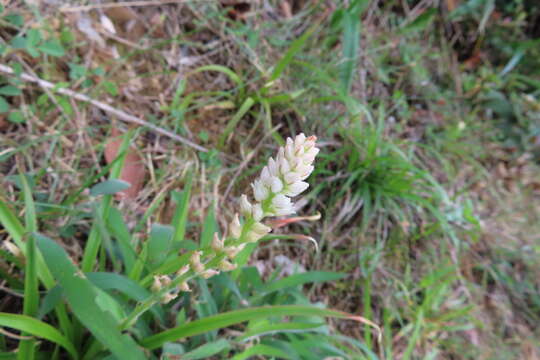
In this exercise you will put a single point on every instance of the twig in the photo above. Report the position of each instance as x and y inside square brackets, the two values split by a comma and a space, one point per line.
[122, 4]
[107, 108]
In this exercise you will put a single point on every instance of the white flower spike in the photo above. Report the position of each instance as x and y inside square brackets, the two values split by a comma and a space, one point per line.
[279, 181]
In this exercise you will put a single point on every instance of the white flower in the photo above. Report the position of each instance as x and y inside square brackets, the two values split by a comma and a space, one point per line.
[296, 188]
[260, 192]
[292, 177]
[282, 205]
[273, 167]
[257, 212]
[276, 185]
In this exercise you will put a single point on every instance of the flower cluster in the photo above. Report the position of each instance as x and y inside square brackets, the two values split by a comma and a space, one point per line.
[280, 180]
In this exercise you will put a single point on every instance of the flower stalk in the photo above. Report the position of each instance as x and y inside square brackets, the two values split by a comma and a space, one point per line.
[280, 180]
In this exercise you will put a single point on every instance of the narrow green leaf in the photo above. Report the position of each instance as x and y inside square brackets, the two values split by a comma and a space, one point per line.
[209, 228]
[295, 47]
[302, 278]
[225, 70]
[37, 328]
[207, 350]
[235, 317]
[264, 351]
[351, 45]
[81, 296]
[231, 125]
[159, 244]
[421, 22]
[119, 229]
[31, 295]
[93, 244]
[279, 328]
[49, 302]
[180, 217]
[109, 187]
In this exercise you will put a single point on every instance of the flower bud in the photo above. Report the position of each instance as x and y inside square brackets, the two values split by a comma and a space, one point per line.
[217, 243]
[207, 274]
[184, 287]
[224, 265]
[245, 206]
[235, 227]
[195, 262]
[183, 270]
[168, 297]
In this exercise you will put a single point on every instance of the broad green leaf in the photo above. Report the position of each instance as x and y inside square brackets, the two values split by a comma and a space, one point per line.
[19, 42]
[52, 47]
[109, 187]
[33, 37]
[4, 105]
[15, 19]
[81, 296]
[10, 90]
[110, 87]
[16, 117]
[37, 328]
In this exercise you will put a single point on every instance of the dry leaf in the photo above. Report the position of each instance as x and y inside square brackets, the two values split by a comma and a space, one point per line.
[3, 123]
[133, 171]
[286, 9]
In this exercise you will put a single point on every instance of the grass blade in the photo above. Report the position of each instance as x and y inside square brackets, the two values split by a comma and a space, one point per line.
[235, 317]
[179, 220]
[262, 350]
[246, 105]
[351, 44]
[83, 298]
[37, 328]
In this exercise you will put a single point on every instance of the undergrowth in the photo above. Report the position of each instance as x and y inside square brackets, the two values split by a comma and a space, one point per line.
[421, 216]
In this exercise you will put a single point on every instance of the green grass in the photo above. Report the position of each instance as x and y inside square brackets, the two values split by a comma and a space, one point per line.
[428, 121]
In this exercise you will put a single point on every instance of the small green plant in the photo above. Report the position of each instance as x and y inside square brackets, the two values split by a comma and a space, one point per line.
[119, 308]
